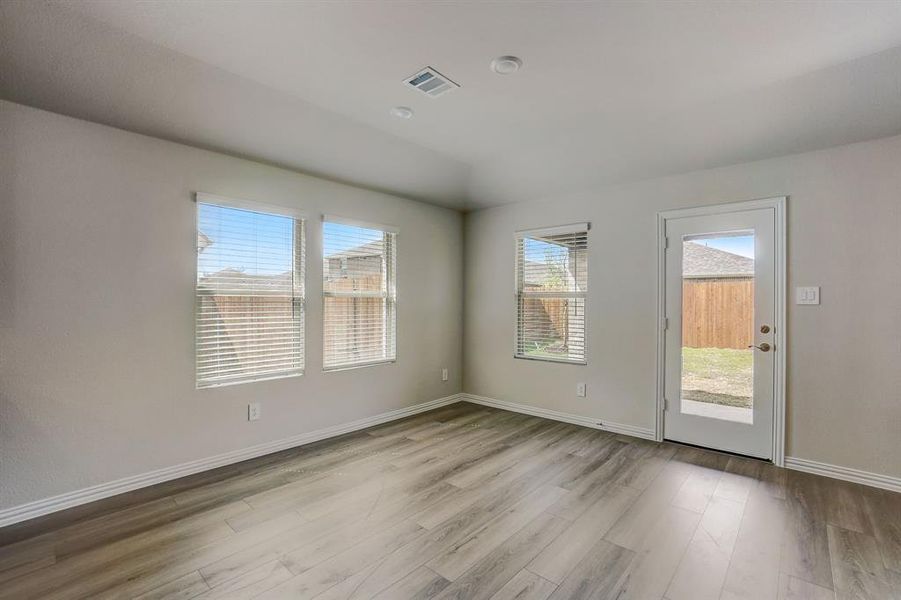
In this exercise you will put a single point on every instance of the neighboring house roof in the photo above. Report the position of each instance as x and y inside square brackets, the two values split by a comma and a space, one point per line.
[539, 273]
[374, 248]
[536, 272]
[203, 241]
[699, 261]
[236, 280]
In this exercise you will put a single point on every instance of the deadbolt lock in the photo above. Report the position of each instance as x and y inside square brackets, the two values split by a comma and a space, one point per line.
[764, 329]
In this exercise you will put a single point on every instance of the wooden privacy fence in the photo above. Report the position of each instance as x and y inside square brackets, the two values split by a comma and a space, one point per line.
[718, 313]
[556, 311]
[350, 323]
[548, 317]
[353, 325]
[246, 323]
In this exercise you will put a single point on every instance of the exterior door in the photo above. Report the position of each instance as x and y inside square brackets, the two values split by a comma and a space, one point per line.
[719, 348]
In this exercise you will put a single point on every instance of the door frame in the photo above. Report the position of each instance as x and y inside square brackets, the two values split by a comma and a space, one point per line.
[778, 204]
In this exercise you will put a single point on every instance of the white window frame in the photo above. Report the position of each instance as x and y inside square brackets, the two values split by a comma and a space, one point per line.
[519, 293]
[299, 294]
[390, 294]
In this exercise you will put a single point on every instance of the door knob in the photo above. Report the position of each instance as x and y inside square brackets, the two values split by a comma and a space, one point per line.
[764, 347]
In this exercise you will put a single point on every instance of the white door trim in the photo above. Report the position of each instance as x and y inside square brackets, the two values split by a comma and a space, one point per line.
[778, 204]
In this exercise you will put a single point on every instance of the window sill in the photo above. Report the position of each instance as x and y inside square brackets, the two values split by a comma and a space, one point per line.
[218, 384]
[350, 367]
[561, 361]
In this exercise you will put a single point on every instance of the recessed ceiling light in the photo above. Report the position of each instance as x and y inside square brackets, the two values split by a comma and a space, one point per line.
[504, 65]
[402, 112]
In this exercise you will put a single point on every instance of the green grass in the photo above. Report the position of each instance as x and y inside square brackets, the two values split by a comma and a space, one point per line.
[548, 349]
[718, 375]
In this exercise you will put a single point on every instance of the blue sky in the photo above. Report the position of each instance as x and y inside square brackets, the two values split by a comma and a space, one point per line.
[536, 250]
[339, 238]
[539, 251]
[739, 244]
[262, 244]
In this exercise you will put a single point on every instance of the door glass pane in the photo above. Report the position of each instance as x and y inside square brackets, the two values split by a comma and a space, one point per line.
[718, 326]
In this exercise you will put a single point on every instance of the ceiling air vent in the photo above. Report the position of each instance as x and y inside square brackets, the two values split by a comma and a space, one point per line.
[431, 83]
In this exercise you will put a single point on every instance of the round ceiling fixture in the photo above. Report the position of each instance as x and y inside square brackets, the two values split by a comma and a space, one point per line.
[505, 65]
[402, 112]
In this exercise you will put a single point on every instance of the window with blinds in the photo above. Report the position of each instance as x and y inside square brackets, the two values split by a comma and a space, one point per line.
[358, 289]
[551, 289]
[249, 294]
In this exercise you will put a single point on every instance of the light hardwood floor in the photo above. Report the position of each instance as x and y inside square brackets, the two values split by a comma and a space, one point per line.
[475, 503]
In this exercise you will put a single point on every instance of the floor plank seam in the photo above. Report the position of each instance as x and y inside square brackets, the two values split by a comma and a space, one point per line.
[463, 490]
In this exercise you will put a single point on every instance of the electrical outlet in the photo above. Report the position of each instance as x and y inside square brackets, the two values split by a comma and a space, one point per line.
[254, 411]
[443, 374]
[581, 390]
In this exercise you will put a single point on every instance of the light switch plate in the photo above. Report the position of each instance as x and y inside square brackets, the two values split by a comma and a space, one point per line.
[807, 295]
[443, 374]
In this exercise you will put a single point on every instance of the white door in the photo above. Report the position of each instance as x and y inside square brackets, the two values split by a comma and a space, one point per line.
[719, 348]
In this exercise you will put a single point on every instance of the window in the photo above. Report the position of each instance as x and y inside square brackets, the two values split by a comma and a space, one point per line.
[551, 288]
[249, 294]
[358, 292]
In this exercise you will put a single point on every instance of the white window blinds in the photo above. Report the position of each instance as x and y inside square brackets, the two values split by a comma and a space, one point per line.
[358, 289]
[551, 289]
[249, 295]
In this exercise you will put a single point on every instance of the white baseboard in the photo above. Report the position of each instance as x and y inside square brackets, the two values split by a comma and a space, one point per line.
[595, 423]
[885, 482]
[46, 506]
[39, 508]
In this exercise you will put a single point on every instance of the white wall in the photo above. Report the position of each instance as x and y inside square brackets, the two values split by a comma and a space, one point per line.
[96, 304]
[844, 357]
[56, 58]
[96, 307]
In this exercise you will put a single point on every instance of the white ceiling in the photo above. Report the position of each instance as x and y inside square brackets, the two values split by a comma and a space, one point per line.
[609, 91]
